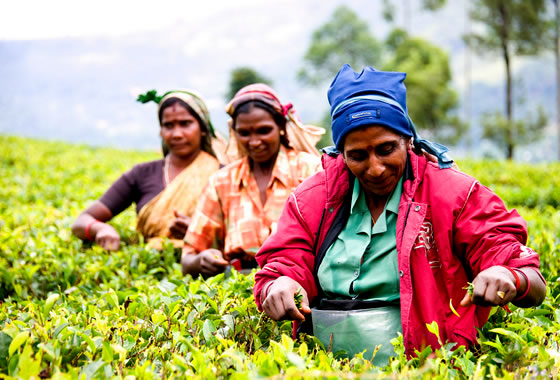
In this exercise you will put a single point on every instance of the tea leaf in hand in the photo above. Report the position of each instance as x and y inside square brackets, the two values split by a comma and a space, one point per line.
[469, 288]
[298, 297]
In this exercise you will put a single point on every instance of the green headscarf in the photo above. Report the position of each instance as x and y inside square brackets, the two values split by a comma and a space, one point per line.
[191, 98]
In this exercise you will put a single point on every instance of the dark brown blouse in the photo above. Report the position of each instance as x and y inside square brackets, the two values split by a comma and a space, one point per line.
[138, 185]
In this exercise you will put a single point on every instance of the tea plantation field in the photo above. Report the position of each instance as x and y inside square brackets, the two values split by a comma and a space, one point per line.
[69, 310]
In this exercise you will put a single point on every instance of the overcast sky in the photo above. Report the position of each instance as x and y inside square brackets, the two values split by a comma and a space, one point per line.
[268, 23]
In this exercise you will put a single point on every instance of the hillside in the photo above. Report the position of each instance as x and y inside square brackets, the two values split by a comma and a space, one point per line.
[68, 310]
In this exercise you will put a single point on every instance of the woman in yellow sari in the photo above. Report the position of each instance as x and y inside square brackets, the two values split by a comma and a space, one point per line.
[165, 191]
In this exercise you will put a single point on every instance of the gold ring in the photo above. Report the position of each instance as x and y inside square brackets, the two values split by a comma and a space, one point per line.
[500, 294]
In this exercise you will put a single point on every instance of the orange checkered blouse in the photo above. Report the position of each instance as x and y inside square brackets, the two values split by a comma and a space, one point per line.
[230, 217]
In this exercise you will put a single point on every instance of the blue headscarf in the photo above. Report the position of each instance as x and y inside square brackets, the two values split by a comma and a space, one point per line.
[375, 97]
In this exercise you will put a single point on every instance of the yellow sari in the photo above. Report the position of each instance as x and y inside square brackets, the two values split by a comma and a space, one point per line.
[181, 194]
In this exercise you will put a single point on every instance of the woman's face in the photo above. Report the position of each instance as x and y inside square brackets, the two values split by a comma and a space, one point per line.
[259, 134]
[180, 131]
[377, 157]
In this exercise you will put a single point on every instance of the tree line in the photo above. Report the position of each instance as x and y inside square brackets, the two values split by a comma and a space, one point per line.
[505, 29]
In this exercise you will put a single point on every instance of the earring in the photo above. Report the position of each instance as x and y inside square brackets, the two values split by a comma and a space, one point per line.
[282, 133]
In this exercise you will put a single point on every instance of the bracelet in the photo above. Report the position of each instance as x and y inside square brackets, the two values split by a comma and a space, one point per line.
[528, 286]
[88, 227]
[517, 281]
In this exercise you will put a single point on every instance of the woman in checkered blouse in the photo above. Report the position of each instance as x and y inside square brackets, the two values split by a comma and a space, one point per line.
[243, 201]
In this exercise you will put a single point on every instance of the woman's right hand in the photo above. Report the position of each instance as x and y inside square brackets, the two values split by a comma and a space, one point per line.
[211, 261]
[279, 300]
[107, 237]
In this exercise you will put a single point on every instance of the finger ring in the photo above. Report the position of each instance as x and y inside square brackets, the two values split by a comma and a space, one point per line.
[500, 294]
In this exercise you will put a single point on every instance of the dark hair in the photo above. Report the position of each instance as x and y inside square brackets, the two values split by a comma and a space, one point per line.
[205, 140]
[278, 118]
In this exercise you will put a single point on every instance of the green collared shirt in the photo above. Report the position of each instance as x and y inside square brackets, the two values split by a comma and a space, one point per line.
[362, 262]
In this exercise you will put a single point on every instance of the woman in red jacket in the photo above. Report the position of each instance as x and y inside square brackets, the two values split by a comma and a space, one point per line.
[384, 241]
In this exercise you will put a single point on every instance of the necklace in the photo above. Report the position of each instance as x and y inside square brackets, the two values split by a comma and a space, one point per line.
[166, 170]
[370, 214]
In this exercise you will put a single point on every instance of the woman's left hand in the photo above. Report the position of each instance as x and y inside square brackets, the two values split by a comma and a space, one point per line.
[179, 226]
[493, 286]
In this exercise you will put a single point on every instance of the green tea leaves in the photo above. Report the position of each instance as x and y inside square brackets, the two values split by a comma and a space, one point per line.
[70, 310]
[16, 343]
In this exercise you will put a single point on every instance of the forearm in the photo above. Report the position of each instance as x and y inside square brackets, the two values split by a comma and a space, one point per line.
[537, 289]
[85, 227]
[91, 221]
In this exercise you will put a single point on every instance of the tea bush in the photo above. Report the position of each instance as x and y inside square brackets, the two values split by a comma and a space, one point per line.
[69, 310]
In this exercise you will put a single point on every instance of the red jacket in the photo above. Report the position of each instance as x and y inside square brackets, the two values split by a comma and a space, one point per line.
[449, 228]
